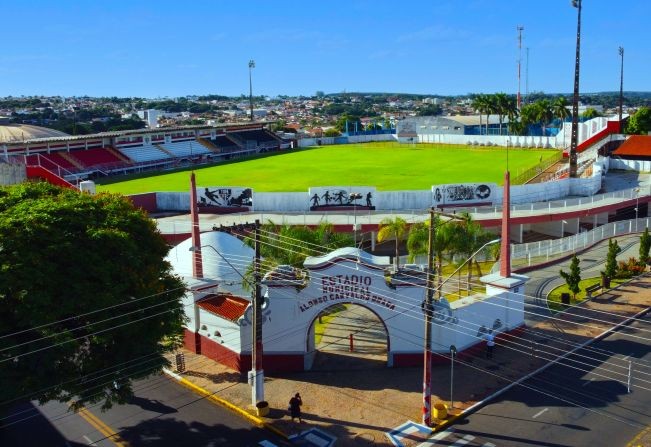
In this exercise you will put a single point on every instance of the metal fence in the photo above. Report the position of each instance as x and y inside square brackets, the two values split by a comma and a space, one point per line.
[532, 253]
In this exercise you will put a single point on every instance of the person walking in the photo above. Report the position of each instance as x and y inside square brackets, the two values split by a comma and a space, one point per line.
[295, 407]
[490, 344]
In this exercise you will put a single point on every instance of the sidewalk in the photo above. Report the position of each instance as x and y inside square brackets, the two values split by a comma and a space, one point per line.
[359, 406]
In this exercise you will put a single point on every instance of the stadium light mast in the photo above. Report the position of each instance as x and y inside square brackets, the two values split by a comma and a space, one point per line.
[251, 67]
[520, 29]
[575, 99]
[621, 90]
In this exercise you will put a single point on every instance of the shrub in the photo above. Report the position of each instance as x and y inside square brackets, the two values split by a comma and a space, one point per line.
[628, 269]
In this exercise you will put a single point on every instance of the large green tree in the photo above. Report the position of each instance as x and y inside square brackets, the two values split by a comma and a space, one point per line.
[640, 122]
[87, 300]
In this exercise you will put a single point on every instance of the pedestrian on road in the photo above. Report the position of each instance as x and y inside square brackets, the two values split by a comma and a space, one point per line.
[295, 407]
[490, 344]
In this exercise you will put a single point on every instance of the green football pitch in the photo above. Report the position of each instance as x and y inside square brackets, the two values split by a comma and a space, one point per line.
[387, 166]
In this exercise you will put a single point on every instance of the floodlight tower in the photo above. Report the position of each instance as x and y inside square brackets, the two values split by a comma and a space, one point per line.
[251, 67]
[520, 29]
[575, 99]
[621, 90]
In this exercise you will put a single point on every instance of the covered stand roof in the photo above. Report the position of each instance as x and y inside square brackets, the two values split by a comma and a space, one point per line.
[635, 146]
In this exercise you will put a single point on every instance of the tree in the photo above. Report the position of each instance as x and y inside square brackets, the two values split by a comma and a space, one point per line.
[544, 113]
[503, 106]
[645, 246]
[560, 110]
[573, 278]
[611, 259]
[640, 122]
[590, 113]
[346, 123]
[443, 243]
[528, 116]
[396, 229]
[468, 238]
[429, 110]
[479, 104]
[81, 278]
[332, 132]
[291, 244]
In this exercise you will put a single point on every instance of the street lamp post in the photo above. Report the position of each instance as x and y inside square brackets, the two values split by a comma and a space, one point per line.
[251, 67]
[621, 90]
[354, 197]
[453, 352]
[428, 308]
[637, 207]
[575, 99]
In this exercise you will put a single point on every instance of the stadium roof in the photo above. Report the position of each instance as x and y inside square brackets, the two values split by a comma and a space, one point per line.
[52, 135]
[23, 132]
[635, 146]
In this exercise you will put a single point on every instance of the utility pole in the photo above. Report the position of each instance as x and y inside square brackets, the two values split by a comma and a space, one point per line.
[257, 373]
[427, 309]
[575, 100]
[520, 29]
[526, 76]
[251, 67]
[621, 90]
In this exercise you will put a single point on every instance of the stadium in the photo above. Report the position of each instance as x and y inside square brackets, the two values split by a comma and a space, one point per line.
[551, 215]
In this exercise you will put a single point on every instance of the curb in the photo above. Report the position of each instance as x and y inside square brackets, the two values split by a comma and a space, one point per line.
[481, 403]
[226, 404]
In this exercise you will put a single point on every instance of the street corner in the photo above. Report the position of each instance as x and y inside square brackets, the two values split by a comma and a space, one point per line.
[409, 434]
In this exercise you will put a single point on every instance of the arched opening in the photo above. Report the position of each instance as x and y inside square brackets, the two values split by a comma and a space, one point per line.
[347, 336]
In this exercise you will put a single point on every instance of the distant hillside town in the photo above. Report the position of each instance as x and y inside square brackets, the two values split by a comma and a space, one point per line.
[321, 115]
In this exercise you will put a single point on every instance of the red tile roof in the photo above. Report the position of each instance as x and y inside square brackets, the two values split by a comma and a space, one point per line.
[225, 305]
[635, 145]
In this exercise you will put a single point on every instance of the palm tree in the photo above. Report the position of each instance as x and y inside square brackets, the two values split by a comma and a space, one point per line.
[528, 116]
[560, 108]
[490, 107]
[545, 113]
[480, 105]
[395, 228]
[469, 237]
[500, 101]
[418, 240]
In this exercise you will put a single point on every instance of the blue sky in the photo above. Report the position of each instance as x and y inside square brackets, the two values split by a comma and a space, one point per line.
[171, 48]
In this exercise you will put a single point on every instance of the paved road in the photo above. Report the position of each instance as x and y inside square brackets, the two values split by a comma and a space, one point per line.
[544, 280]
[162, 413]
[571, 407]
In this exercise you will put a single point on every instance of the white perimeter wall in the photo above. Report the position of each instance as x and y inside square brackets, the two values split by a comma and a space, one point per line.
[630, 165]
[299, 202]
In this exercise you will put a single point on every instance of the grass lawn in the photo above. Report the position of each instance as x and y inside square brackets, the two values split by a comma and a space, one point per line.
[554, 297]
[388, 166]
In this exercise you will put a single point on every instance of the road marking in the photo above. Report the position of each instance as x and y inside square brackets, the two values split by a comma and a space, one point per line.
[466, 439]
[90, 441]
[629, 356]
[488, 444]
[539, 413]
[431, 442]
[588, 382]
[101, 427]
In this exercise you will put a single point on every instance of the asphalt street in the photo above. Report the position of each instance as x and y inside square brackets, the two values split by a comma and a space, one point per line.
[582, 401]
[545, 279]
[162, 413]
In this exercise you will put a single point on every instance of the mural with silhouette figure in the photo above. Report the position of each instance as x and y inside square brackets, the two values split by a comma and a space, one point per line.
[224, 197]
[342, 198]
[463, 194]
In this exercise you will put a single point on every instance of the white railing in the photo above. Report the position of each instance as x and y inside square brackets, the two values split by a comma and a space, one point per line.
[532, 253]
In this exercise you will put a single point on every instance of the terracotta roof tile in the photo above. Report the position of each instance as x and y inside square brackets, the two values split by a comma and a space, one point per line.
[225, 305]
[635, 145]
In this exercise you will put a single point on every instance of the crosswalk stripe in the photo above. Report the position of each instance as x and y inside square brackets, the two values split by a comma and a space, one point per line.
[465, 440]
[431, 442]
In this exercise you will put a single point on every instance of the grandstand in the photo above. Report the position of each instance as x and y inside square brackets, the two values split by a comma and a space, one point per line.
[82, 156]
